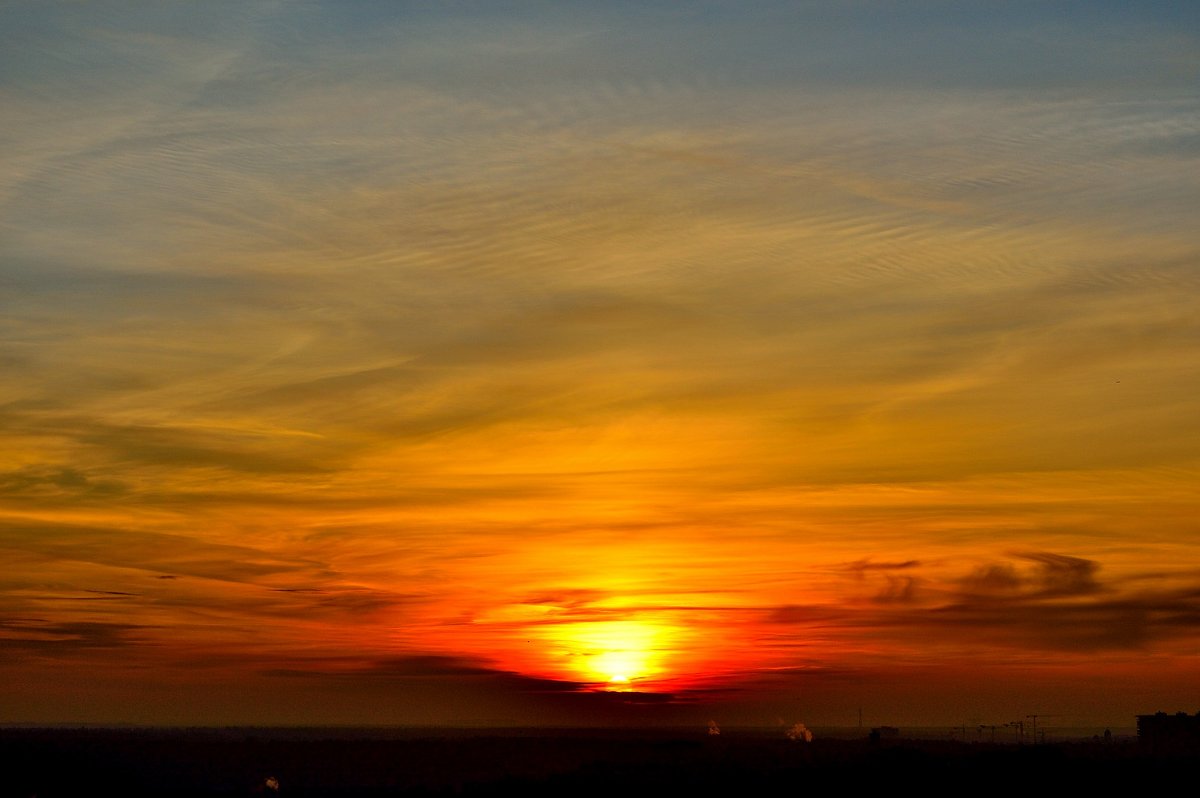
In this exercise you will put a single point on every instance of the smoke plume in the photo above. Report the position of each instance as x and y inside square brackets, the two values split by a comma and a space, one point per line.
[799, 731]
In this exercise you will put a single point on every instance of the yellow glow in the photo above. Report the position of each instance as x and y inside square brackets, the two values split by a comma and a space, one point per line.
[618, 654]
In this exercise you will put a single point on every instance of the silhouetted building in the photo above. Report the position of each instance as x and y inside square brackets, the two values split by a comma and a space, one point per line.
[1161, 733]
[880, 733]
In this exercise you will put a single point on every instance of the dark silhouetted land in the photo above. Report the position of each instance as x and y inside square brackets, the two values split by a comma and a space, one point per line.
[315, 762]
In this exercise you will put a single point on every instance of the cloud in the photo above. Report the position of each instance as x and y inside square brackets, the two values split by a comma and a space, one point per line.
[168, 446]
[866, 564]
[1060, 605]
[1056, 575]
[1035, 604]
[421, 667]
[1062, 575]
[24, 636]
[801, 614]
[899, 590]
[997, 578]
[49, 483]
[1129, 625]
[344, 601]
[151, 551]
[568, 599]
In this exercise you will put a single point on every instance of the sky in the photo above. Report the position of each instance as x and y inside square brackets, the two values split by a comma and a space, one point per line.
[599, 363]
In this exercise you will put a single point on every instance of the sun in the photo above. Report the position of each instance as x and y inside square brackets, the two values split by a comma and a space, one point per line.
[619, 666]
[617, 655]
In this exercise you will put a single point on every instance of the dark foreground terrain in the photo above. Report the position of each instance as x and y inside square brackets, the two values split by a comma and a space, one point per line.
[237, 762]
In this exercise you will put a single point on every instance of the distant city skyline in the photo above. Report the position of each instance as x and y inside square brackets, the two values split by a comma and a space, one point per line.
[599, 363]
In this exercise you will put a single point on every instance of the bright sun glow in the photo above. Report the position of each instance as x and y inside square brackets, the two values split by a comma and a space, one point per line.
[618, 654]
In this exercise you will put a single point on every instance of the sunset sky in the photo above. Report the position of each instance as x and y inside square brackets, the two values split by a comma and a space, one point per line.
[588, 363]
